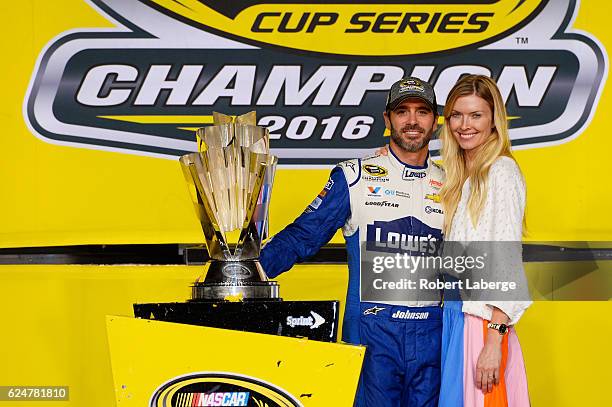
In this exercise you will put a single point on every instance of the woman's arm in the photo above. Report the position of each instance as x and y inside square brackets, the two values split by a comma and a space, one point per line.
[500, 230]
[506, 201]
[489, 361]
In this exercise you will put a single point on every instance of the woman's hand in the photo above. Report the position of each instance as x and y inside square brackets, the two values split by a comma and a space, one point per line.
[489, 361]
[384, 150]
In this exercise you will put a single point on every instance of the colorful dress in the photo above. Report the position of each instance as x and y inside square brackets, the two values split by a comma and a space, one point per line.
[465, 323]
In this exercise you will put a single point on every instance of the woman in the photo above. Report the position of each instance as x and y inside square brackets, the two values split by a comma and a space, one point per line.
[484, 201]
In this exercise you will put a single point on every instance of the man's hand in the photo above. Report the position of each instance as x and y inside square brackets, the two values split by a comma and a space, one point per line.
[384, 150]
[489, 361]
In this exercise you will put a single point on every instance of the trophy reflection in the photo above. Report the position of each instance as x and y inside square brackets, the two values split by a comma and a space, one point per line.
[230, 180]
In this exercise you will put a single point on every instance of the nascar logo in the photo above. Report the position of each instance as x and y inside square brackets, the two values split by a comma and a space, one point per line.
[214, 399]
[123, 90]
[220, 389]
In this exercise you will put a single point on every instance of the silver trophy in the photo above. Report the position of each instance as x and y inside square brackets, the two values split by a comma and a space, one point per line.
[230, 180]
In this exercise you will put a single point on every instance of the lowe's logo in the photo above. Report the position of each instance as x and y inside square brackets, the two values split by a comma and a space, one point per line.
[405, 234]
[410, 174]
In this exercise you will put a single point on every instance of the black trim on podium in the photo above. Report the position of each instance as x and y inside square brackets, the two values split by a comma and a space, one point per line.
[316, 320]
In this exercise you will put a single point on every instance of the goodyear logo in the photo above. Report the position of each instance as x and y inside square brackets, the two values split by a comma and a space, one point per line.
[220, 389]
[375, 170]
[145, 85]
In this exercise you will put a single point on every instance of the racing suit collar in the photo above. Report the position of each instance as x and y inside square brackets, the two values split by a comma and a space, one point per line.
[403, 164]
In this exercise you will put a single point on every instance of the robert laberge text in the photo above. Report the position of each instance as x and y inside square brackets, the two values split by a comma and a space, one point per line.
[424, 284]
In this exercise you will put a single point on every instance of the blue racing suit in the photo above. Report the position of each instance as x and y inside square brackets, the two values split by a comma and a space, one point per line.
[381, 199]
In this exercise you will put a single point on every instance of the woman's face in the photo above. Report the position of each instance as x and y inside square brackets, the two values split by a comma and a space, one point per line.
[471, 122]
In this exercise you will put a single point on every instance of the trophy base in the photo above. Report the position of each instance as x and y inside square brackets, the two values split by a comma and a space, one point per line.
[263, 290]
[235, 281]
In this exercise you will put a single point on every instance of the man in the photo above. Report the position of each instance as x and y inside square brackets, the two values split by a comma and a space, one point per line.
[372, 200]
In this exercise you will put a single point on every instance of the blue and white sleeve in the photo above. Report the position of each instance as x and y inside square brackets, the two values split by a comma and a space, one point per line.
[311, 230]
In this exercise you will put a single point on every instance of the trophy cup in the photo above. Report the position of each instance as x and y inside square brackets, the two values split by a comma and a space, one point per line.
[230, 179]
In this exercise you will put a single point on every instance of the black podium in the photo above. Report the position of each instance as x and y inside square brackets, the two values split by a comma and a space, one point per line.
[317, 320]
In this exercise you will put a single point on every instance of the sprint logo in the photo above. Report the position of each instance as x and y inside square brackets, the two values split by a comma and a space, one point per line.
[313, 321]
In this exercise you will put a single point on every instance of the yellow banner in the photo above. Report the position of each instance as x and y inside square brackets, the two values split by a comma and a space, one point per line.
[100, 101]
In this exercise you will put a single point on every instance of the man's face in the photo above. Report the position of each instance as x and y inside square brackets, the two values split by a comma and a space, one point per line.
[411, 124]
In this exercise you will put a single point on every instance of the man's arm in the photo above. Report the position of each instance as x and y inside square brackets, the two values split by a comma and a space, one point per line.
[311, 230]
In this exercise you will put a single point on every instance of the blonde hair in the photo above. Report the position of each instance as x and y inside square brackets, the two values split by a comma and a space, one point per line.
[455, 165]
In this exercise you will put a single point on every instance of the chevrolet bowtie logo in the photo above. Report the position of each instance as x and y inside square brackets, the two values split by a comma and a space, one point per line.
[373, 311]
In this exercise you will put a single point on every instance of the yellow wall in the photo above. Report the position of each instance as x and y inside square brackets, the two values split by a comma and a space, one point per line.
[53, 330]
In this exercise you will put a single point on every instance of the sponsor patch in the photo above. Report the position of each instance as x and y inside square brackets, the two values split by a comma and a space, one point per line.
[385, 204]
[429, 209]
[375, 179]
[375, 170]
[410, 174]
[408, 234]
[312, 321]
[433, 197]
[373, 311]
[316, 203]
[435, 184]
[410, 84]
[351, 165]
[379, 191]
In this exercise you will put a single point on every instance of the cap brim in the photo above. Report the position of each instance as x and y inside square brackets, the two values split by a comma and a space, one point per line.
[392, 106]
